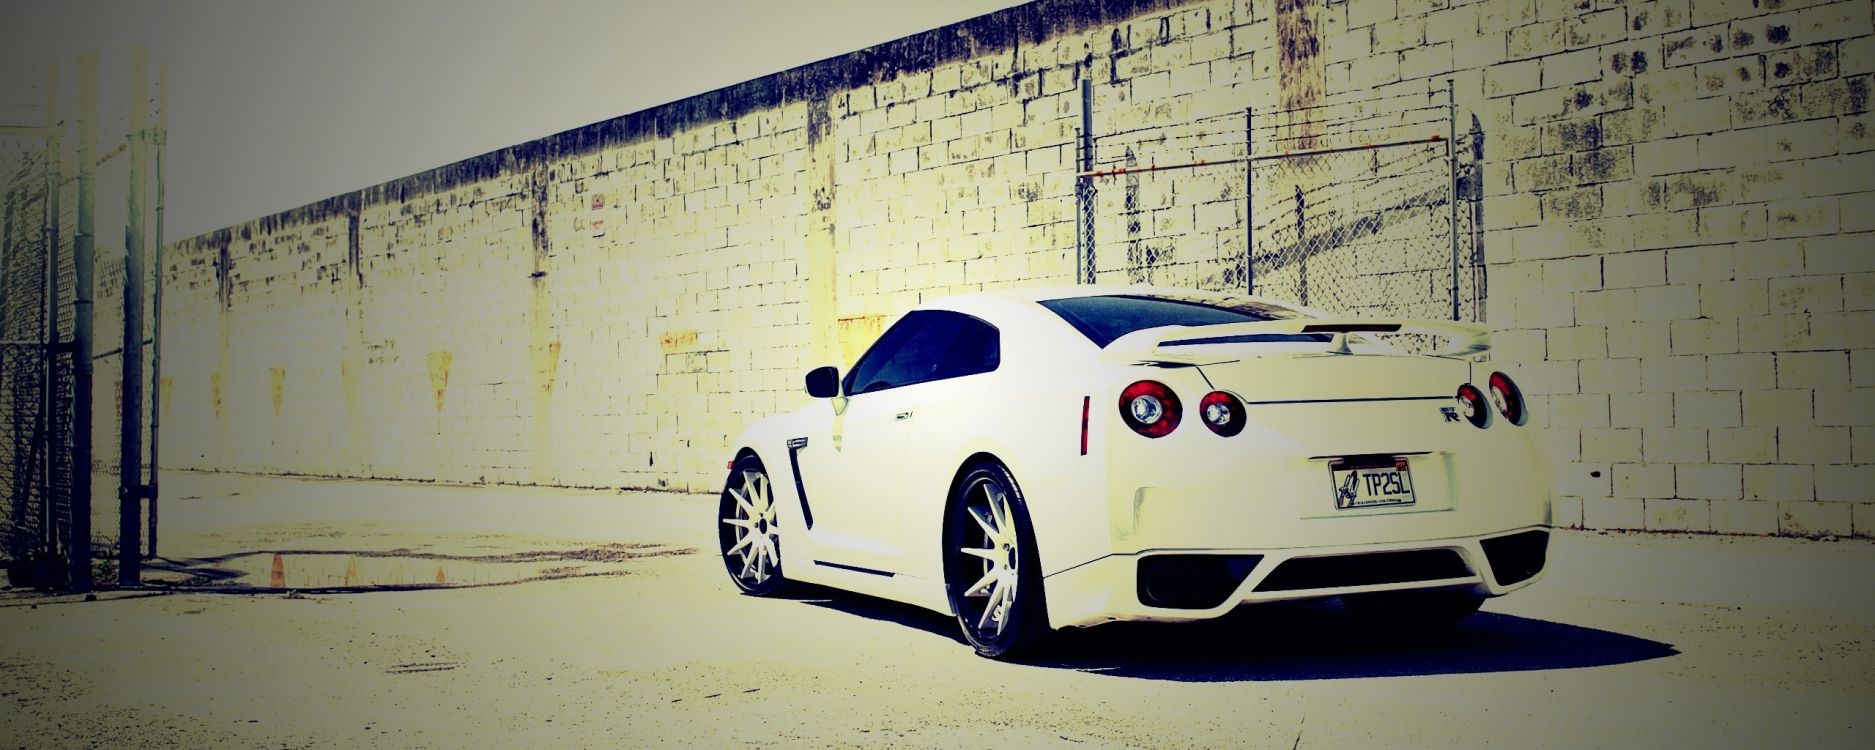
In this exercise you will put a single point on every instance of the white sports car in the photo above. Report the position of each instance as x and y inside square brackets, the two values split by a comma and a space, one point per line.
[1031, 460]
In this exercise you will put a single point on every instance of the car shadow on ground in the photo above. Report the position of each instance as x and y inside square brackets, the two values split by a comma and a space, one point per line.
[1293, 641]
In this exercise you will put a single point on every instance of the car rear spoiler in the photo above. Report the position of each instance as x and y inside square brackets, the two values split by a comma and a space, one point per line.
[1163, 343]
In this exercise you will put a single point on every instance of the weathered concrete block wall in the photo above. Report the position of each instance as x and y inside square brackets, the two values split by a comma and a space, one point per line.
[1676, 203]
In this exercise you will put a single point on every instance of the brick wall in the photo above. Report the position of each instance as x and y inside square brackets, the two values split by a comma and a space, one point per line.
[1677, 203]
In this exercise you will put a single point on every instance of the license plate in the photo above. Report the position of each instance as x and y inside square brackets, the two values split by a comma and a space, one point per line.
[1368, 482]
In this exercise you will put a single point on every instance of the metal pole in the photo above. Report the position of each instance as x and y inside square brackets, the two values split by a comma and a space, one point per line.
[1451, 159]
[130, 448]
[1476, 181]
[1249, 205]
[49, 356]
[156, 345]
[80, 545]
[1302, 248]
[1085, 272]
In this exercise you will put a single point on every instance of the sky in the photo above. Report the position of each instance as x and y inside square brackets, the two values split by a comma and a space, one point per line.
[274, 105]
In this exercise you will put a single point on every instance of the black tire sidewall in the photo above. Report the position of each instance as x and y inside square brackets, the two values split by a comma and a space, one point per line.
[1029, 615]
[726, 535]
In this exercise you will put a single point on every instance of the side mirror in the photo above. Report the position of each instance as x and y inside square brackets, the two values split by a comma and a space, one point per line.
[823, 382]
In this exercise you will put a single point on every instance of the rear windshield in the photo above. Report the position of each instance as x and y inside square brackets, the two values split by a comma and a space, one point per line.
[1105, 318]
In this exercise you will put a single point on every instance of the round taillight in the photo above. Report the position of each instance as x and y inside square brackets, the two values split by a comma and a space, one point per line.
[1222, 412]
[1150, 408]
[1471, 404]
[1507, 397]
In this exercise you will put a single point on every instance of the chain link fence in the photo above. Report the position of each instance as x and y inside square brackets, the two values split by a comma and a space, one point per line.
[36, 529]
[1364, 208]
[50, 537]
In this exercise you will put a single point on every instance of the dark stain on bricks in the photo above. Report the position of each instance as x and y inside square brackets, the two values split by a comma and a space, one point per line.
[1679, 44]
[1639, 62]
[1580, 135]
[1778, 34]
[1779, 106]
[354, 248]
[1742, 38]
[1706, 193]
[1583, 99]
[1718, 43]
[1598, 166]
[1858, 95]
[1118, 44]
[1639, 21]
[224, 272]
[1656, 194]
[819, 123]
[538, 181]
[1781, 70]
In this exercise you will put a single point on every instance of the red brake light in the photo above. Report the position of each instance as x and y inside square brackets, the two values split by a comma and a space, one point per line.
[1150, 408]
[1222, 412]
[1507, 397]
[1471, 404]
[1085, 401]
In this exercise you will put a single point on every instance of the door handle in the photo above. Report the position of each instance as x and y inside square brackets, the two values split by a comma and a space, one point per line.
[904, 415]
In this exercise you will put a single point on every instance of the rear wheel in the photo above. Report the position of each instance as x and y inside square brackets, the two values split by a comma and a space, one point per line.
[1429, 609]
[990, 564]
[750, 543]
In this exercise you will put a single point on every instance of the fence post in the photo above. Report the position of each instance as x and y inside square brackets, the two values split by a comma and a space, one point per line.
[50, 355]
[1249, 203]
[80, 544]
[1302, 250]
[1084, 188]
[1451, 160]
[161, 137]
[130, 444]
[1476, 183]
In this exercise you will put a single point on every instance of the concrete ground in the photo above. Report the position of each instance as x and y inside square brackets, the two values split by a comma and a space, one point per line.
[1631, 640]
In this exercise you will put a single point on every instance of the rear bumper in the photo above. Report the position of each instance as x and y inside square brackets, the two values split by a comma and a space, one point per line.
[1200, 584]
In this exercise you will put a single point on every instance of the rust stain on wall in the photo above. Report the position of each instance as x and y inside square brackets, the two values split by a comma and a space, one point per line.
[162, 389]
[277, 378]
[547, 364]
[214, 392]
[439, 375]
[677, 342]
[1301, 77]
[858, 332]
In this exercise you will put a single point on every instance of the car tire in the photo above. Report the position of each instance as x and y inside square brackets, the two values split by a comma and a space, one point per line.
[747, 529]
[992, 570]
[1422, 610]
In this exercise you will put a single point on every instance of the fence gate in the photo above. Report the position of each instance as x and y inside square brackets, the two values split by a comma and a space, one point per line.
[1362, 207]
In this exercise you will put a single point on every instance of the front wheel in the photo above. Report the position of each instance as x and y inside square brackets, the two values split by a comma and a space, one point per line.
[991, 567]
[750, 543]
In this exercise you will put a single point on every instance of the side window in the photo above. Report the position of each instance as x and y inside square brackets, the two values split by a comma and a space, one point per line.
[926, 345]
